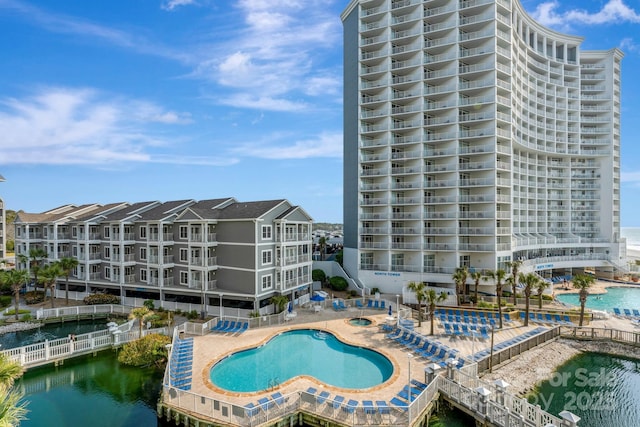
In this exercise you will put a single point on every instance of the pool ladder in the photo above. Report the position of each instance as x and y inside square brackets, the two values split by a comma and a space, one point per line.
[273, 383]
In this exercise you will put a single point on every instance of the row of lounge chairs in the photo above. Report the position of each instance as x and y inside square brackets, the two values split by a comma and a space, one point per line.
[230, 327]
[504, 344]
[339, 305]
[338, 403]
[548, 319]
[465, 330]
[431, 350]
[180, 364]
[373, 304]
[627, 313]
[265, 403]
[476, 317]
[468, 321]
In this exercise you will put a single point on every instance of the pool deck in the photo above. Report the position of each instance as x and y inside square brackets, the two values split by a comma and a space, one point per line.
[211, 348]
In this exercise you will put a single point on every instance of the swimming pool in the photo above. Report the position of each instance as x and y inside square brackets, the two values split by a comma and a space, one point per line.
[615, 297]
[301, 352]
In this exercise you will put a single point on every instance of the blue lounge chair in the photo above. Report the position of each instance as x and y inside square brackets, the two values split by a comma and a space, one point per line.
[395, 334]
[483, 333]
[627, 312]
[217, 326]
[447, 329]
[231, 326]
[567, 320]
[403, 406]
[312, 390]
[617, 311]
[370, 303]
[265, 403]
[250, 409]
[456, 330]
[336, 307]
[244, 327]
[507, 318]
[278, 398]
[636, 313]
[419, 384]
[359, 304]
[222, 327]
[430, 352]
[322, 397]
[465, 331]
[369, 409]
[350, 406]
[440, 355]
[341, 305]
[337, 402]
[383, 408]
[376, 304]
[382, 305]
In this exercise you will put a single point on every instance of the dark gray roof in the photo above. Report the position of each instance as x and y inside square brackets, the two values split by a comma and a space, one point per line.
[124, 213]
[99, 210]
[212, 203]
[245, 210]
[165, 209]
[287, 212]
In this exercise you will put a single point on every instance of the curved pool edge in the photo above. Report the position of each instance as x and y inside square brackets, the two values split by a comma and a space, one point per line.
[395, 372]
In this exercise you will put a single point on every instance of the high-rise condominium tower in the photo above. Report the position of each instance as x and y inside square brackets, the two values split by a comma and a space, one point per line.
[474, 136]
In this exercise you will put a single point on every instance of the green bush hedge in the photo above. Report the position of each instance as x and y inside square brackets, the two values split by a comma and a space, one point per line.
[338, 283]
[5, 301]
[94, 299]
[318, 275]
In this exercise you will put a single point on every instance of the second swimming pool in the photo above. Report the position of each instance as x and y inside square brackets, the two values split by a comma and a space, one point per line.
[301, 352]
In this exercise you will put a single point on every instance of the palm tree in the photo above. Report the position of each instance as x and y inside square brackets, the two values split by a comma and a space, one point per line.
[67, 265]
[530, 281]
[432, 299]
[540, 287]
[515, 268]
[48, 277]
[16, 279]
[476, 276]
[36, 257]
[583, 282]
[322, 243]
[280, 301]
[11, 410]
[460, 279]
[498, 276]
[420, 290]
[140, 314]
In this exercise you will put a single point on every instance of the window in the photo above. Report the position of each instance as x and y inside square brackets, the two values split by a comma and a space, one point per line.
[107, 273]
[184, 278]
[266, 232]
[106, 232]
[184, 255]
[107, 252]
[74, 231]
[266, 282]
[184, 232]
[143, 275]
[267, 257]
[143, 254]
[143, 232]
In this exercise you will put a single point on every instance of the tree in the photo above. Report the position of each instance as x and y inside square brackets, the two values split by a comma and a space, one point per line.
[36, 258]
[280, 301]
[498, 276]
[530, 281]
[515, 268]
[140, 314]
[540, 287]
[16, 279]
[476, 276]
[582, 282]
[460, 279]
[420, 290]
[432, 299]
[67, 265]
[322, 243]
[48, 278]
[11, 410]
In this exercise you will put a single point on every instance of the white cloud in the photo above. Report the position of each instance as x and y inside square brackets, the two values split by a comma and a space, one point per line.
[324, 145]
[248, 100]
[84, 126]
[613, 12]
[630, 177]
[172, 4]
[628, 45]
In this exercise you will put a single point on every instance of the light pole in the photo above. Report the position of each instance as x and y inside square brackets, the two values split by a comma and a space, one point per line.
[409, 357]
[397, 310]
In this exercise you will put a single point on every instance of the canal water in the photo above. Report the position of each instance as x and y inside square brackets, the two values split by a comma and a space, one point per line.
[91, 391]
[601, 389]
[50, 332]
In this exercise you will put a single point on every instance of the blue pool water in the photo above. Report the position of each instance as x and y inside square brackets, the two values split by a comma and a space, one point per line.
[301, 352]
[615, 297]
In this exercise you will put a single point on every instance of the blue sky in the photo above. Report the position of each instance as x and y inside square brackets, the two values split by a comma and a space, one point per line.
[174, 99]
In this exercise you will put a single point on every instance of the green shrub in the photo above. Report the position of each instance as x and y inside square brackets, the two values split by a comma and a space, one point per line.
[34, 297]
[25, 317]
[338, 283]
[13, 311]
[193, 314]
[146, 351]
[375, 291]
[149, 304]
[318, 275]
[94, 299]
[5, 301]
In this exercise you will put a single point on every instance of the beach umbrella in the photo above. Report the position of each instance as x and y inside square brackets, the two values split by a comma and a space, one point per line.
[390, 310]
[290, 308]
[317, 297]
